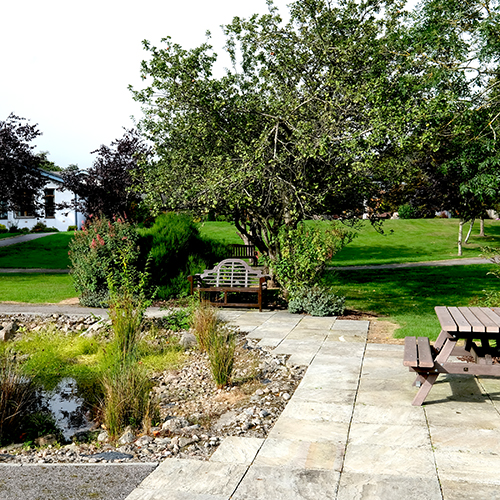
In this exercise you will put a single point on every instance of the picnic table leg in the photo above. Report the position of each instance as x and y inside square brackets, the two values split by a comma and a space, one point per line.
[425, 388]
[441, 340]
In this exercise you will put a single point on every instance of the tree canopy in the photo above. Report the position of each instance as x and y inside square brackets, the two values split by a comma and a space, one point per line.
[306, 123]
[320, 115]
[105, 188]
[20, 175]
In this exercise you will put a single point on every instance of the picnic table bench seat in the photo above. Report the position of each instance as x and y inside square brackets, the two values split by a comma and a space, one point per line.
[228, 277]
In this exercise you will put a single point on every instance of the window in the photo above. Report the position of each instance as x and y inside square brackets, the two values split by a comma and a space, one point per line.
[3, 210]
[26, 206]
[50, 207]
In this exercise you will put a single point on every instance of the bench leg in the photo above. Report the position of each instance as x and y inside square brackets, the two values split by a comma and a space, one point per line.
[425, 388]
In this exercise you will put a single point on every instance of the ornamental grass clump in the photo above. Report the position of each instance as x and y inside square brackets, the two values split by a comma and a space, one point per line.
[205, 323]
[221, 349]
[17, 397]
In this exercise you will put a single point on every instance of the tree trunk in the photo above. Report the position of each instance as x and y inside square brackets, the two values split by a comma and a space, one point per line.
[460, 233]
[481, 227]
[470, 230]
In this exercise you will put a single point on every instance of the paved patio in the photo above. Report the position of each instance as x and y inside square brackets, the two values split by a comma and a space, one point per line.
[349, 430]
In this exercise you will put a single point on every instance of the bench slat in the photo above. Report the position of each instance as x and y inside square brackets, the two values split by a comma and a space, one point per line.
[410, 355]
[445, 319]
[473, 318]
[458, 317]
[424, 353]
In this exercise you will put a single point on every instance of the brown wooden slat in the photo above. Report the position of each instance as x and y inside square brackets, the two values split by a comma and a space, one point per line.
[462, 324]
[445, 319]
[494, 319]
[410, 353]
[424, 353]
[475, 322]
[488, 323]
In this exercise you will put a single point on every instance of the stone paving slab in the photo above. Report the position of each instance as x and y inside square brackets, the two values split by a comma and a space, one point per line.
[460, 490]
[382, 486]
[283, 483]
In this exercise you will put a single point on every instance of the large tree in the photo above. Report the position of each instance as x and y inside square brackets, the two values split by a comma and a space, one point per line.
[106, 187]
[20, 177]
[309, 121]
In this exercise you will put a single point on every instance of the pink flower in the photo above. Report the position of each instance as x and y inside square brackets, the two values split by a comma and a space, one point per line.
[93, 244]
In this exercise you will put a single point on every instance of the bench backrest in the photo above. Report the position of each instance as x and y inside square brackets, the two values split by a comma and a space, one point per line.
[234, 273]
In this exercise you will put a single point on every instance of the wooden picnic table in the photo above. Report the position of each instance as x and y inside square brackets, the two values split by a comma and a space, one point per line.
[479, 327]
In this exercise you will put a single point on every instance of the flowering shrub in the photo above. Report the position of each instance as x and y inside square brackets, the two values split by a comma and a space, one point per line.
[93, 254]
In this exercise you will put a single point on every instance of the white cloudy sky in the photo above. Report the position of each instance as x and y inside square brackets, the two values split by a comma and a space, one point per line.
[66, 65]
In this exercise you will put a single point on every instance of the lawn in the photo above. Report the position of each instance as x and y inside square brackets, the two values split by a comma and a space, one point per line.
[408, 296]
[49, 252]
[414, 240]
[7, 235]
[36, 288]
[220, 231]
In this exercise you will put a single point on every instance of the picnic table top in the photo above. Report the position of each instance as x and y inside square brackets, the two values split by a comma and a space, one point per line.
[469, 320]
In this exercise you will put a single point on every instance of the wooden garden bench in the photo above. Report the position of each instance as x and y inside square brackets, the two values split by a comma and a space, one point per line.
[231, 276]
[244, 252]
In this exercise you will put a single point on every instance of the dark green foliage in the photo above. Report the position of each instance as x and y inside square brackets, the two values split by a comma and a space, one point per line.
[3, 229]
[41, 227]
[316, 301]
[407, 212]
[176, 250]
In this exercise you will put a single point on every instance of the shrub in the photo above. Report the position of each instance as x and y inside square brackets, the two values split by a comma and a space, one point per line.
[72, 228]
[93, 252]
[316, 301]
[3, 229]
[304, 253]
[407, 212]
[176, 250]
[41, 227]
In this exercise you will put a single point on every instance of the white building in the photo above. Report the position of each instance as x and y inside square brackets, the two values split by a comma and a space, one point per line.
[25, 217]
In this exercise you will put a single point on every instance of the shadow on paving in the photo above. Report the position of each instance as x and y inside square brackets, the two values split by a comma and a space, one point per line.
[71, 482]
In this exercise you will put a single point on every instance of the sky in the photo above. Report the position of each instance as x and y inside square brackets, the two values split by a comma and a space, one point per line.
[66, 66]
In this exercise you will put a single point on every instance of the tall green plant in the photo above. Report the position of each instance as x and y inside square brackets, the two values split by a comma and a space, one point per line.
[304, 253]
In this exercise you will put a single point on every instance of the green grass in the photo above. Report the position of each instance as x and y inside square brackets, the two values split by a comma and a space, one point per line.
[414, 241]
[50, 252]
[36, 288]
[408, 296]
[220, 231]
[8, 235]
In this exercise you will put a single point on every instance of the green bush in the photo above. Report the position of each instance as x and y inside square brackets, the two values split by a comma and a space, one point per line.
[407, 212]
[94, 254]
[72, 228]
[175, 250]
[304, 253]
[41, 227]
[3, 229]
[316, 301]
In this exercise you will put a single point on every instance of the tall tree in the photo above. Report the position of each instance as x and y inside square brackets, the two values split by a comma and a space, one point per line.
[106, 187]
[308, 122]
[20, 178]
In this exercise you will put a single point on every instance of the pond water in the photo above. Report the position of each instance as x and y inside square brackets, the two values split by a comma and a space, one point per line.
[67, 408]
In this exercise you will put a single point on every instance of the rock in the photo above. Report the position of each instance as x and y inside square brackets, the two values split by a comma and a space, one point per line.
[103, 436]
[127, 437]
[174, 424]
[188, 340]
[49, 439]
[286, 396]
[8, 331]
[144, 441]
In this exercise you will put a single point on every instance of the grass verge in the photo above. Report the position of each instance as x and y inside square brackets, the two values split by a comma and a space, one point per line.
[49, 252]
[415, 240]
[36, 288]
[408, 296]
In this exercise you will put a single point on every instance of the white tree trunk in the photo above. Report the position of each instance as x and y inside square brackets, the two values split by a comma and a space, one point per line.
[470, 230]
[460, 233]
